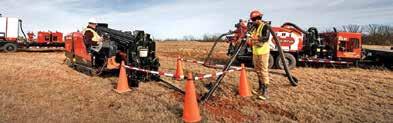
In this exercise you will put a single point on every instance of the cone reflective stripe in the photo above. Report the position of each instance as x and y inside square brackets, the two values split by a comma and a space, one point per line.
[244, 89]
[122, 84]
[190, 106]
[179, 70]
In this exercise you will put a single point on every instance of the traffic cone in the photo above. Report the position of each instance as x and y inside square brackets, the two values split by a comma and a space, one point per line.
[111, 63]
[122, 84]
[190, 106]
[179, 70]
[244, 89]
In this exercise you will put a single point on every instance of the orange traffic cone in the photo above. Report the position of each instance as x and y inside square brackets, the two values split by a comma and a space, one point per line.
[190, 106]
[122, 84]
[111, 63]
[179, 70]
[244, 89]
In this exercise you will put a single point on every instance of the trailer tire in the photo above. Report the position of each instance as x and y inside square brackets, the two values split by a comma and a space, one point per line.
[10, 47]
[271, 61]
[291, 61]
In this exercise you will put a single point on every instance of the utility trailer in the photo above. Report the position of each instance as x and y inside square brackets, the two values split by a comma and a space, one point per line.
[12, 37]
[309, 46]
[46, 39]
[379, 56]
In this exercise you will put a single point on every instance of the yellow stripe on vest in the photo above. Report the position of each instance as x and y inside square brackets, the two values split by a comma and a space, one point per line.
[96, 37]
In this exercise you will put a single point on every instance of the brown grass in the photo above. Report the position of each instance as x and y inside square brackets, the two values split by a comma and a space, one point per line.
[38, 87]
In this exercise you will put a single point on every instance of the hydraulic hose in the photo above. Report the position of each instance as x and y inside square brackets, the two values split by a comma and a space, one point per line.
[214, 46]
[293, 80]
[294, 26]
[21, 29]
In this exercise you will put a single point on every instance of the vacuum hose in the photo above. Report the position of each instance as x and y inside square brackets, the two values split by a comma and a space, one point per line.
[212, 89]
[293, 80]
[294, 26]
[21, 29]
[214, 45]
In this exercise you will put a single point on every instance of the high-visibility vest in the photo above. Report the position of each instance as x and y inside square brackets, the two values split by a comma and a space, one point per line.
[96, 37]
[259, 48]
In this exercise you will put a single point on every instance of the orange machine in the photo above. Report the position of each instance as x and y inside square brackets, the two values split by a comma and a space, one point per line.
[49, 37]
[346, 45]
[136, 49]
[304, 46]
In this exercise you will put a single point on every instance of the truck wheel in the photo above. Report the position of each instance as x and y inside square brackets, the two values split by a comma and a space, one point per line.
[271, 61]
[10, 47]
[290, 59]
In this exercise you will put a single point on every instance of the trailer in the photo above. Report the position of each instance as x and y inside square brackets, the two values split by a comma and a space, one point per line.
[12, 37]
[379, 56]
[46, 39]
[308, 47]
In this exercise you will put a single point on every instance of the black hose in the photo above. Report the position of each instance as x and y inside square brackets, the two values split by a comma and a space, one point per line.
[313, 36]
[334, 29]
[293, 25]
[313, 29]
[173, 86]
[221, 77]
[21, 29]
[213, 47]
[293, 80]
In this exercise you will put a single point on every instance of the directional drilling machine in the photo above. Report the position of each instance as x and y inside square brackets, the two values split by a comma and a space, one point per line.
[136, 49]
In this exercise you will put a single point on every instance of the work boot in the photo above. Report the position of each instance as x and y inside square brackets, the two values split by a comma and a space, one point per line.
[263, 92]
[257, 91]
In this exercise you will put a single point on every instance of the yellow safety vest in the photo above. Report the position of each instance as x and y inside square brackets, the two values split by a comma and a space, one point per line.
[259, 48]
[96, 37]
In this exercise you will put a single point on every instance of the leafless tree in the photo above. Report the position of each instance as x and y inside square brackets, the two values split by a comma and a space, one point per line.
[372, 28]
[378, 34]
[352, 28]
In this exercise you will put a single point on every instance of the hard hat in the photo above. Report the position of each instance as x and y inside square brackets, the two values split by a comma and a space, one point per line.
[92, 20]
[255, 13]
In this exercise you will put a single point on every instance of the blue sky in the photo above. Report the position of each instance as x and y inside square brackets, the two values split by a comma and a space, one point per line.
[177, 18]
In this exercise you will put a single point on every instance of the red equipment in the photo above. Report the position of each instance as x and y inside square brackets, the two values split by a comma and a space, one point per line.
[135, 48]
[30, 36]
[307, 46]
[11, 40]
[75, 44]
[49, 37]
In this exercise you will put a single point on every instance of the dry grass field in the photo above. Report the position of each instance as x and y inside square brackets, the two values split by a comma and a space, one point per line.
[38, 87]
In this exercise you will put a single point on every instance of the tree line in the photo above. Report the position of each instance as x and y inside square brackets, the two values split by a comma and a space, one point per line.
[372, 34]
[205, 38]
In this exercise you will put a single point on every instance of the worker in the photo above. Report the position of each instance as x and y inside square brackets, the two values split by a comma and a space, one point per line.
[260, 49]
[92, 40]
